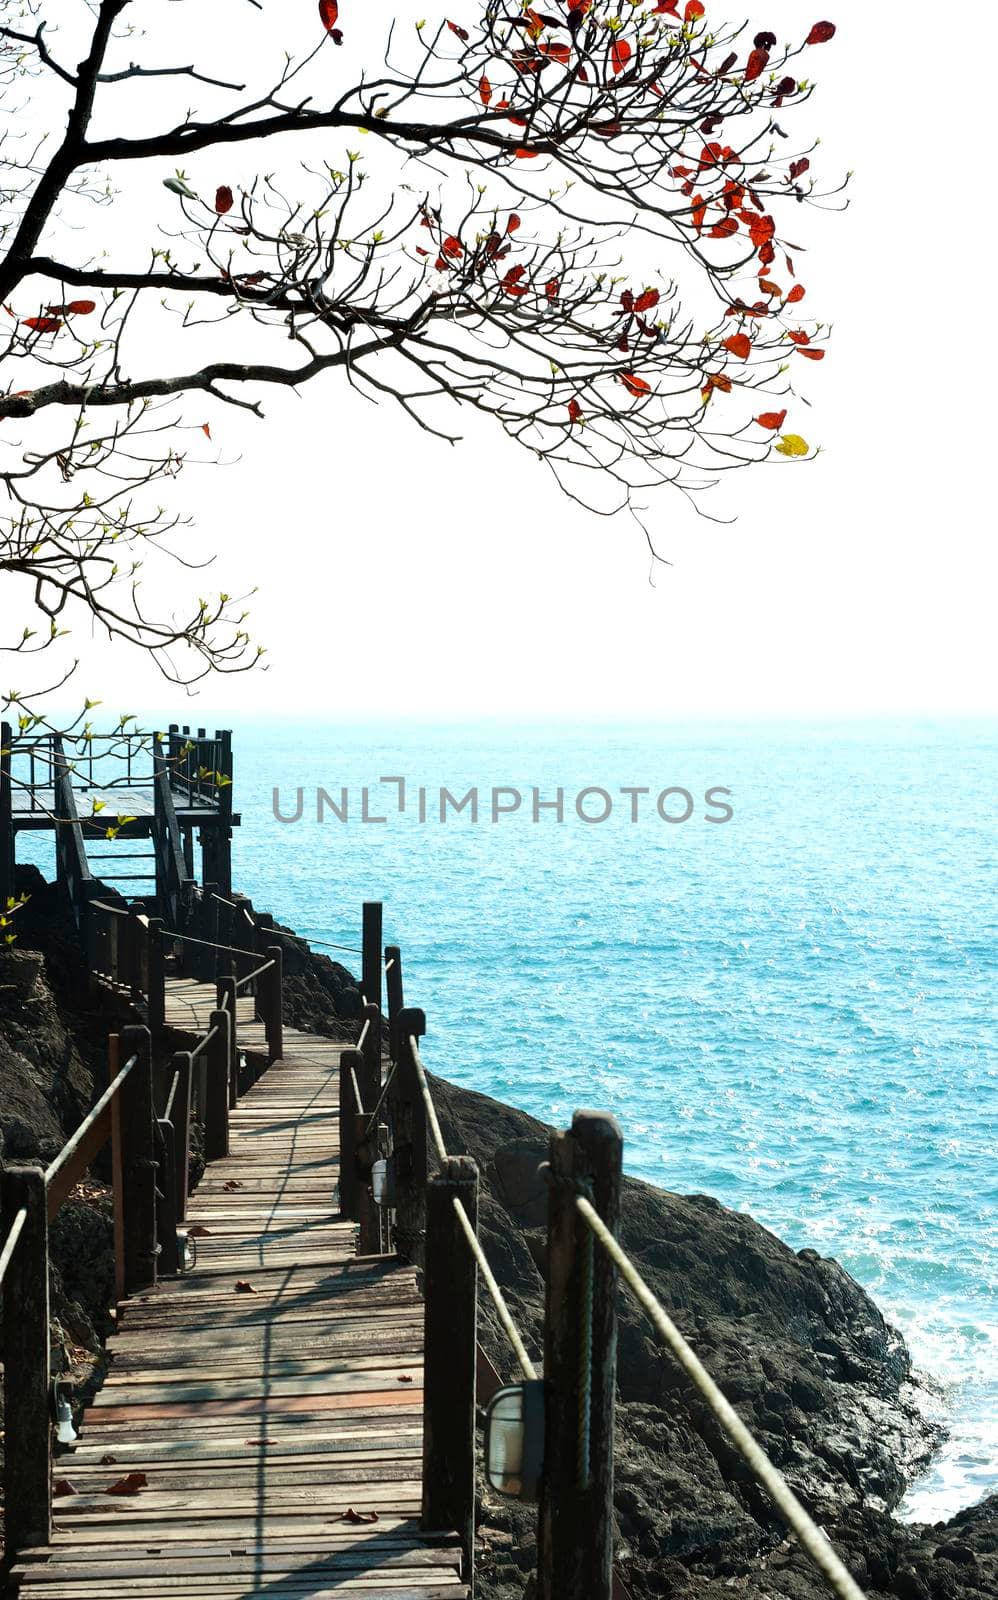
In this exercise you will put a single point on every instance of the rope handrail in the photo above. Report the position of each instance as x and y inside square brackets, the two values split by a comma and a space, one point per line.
[382, 1097]
[209, 944]
[168, 1113]
[10, 1243]
[805, 1530]
[356, 1092]
[327, 944]
[114, 911]
[431, 1110]
[365, 1030]
[73, 1143]
[389, 964]
[255, 973]
[204, 1041]
[474, 1244]
[508, 1325]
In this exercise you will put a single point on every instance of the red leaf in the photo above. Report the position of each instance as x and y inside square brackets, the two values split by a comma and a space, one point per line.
[523, 154]
[206, 430]
[821, 33]
[551, 288]
[63, 1486]
[462, 33]
[667, 8]
[513, 223]
[519, 122]
[812, 355]
[796, 294]
[716, 380]
[724, 230]
[557, 52]
[131, 1483]
[758, 61]
[768, 286]
[80, 308]
[233, 1183]
[108, 1461]
[452, 247]
[350, 1515]
[740, 345]
[620, 55]
[772, 419]
[800, 337]
[484, 91]
[199, 1231]
[223, 199]
[403, 1377]
[574, 411]
[242, 1287]
[798, 168]
[42, 324]
[698, 210]
[511, 282]
[694, 11]
[647, 301]
[329, 11]
[635, 385]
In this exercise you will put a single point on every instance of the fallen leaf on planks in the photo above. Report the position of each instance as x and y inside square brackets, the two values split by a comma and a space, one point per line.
[350, 1515]
[64, 1486]
[242, 1287]
[131, 1483]
[403, 1377]
[199, 1231]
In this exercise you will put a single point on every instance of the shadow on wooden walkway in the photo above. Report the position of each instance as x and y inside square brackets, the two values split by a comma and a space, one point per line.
[271, 1401]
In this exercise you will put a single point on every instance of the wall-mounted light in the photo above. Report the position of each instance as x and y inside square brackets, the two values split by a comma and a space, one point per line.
[187, 1252]
[383, 1182]
[62, 1406]
[514, 1439]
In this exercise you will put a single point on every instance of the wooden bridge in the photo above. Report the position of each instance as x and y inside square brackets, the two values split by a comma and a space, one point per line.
[292, 1396]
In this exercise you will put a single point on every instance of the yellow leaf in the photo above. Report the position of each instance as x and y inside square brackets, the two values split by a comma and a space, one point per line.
[791, 444]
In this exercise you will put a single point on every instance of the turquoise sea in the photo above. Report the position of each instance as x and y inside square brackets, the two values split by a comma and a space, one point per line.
[792, 1010]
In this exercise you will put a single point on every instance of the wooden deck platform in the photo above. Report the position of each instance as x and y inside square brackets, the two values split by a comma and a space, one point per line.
[271, 1401]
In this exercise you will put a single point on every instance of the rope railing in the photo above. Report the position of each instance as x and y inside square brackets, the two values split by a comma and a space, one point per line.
[431, 1110]
[204, 1042]
[805, 1530]
[365, 1030]
[168, 1112]
[10, 1243]
[508, 1325]
[383, 1096]
[358, 1100]
[206, 944]
[93, 1116]
[256, 973]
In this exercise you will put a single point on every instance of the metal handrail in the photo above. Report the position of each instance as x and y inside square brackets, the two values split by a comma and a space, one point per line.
[72, 1144]
[204, 1041]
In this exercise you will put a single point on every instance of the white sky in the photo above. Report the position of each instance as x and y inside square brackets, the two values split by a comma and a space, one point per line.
[399, 574]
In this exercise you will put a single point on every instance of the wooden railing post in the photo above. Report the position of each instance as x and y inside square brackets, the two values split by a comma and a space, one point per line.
[370, 1076]
[6, 813]
[227, 996]
[28, 1440]
[219, 1070]
[371, 957]
[273, 1003]
[157, 976]
[351, 1064]
[409, 1133]
[138, 1163]
[166, 1198]
[575, 1520]
[183, 1066]
[450, 1355]
[369, 1235]
[394, 995]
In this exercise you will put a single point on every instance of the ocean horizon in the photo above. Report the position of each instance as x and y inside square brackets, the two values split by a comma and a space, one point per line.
[772, 956]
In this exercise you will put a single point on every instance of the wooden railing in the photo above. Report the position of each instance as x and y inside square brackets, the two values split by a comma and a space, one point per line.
[431, 1215]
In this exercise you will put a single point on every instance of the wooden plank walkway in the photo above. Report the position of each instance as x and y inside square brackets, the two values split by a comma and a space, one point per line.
[272, 1400]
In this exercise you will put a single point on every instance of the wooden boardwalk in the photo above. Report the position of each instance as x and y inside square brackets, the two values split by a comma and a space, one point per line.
[271, 1402]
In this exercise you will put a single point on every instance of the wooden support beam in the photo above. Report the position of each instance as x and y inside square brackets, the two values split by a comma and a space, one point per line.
[28, 1438]
[371, 958]
[156, 971]
[138, 1163]
[575, 1522]
[351, 1066]
[407, 1119]
[394, 995]
[369, 1235]
[273, 1002]
[183, 1066]
[450, 1356]
[219, 1069]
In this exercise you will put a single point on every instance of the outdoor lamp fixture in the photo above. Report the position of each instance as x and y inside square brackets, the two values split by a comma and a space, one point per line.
[187, 1253]
[64, 1430]
[383, 1182]
[514, 1439]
